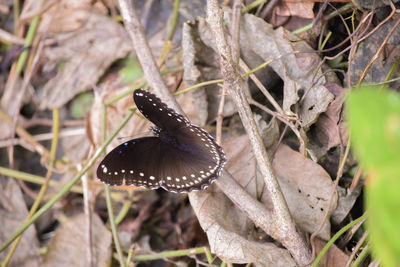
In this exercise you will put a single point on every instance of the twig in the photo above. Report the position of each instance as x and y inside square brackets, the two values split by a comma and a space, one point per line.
[378, 52]
[264, 90]
[113, 227]
[39, 148]
[20, 64]
[145, 56]
[43, 137]
[268, 9]
[8, 38]
[284, 120]
[44, 187]
[334, 188]
[336, 236]
[282, 227]
[356, 249]
[254, 209]
[66, 188]
[174, 21]
[35, 179]
[88, 217]
[235, 33]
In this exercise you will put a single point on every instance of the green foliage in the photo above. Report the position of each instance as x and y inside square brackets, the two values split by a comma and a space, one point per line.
[81, 105]
[374, 121]
[132, 70]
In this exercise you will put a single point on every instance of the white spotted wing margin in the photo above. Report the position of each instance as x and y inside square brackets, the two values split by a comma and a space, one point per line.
[181, 158]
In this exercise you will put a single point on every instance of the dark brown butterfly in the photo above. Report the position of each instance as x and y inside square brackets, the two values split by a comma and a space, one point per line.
[180, 158]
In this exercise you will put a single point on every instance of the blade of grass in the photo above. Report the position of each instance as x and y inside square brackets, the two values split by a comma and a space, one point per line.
[335, 237]
[67, 187]
[35, 179]
[114, 227]
[169, 254]
[43, 189]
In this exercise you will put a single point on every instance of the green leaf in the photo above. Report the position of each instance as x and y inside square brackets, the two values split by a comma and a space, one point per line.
[131, 71]
[374, 120]
[81, 105]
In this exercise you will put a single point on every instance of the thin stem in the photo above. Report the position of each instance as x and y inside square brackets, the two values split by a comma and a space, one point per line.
[124, 210]
[43, 189]
[34, 179]
[113, 227]
[335, 237]
[175, 16]
[170, 254]
[39, 148]
[67, 187]
[283, 228]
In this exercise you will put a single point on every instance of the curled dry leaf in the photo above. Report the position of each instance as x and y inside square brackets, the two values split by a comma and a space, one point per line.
[334, 257]
[346, 201]
[200, 64]
[299, 9]
[269, 133]
[305, 185]
[69, 245]
[304, 89]
[298, 72]
[13, 213]
[194, 104]
[330, 129]
[86, 52]
[229, 232]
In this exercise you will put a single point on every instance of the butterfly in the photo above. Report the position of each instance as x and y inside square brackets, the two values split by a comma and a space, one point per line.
[181, 157]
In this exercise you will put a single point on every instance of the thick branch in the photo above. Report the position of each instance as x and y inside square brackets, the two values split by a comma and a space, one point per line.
[284, 225]
[144, 54]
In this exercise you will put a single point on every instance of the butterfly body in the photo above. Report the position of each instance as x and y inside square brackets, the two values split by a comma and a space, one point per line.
[180, 158]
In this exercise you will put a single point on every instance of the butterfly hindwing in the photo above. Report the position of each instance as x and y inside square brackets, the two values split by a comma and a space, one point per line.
[126, 164]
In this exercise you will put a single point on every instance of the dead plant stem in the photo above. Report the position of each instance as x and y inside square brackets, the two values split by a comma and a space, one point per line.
[286, 232]
[145, 56]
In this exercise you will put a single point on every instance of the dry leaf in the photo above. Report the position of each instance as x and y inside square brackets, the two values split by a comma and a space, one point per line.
[330, 129]
[13, 213]
[334, 256]
[87, 53]
[229, 232]
[115, 114]
[305, 185]
[199, 61]
[382, 65]
[307, 188]
[346, 200]
[69, 245]
[260, 42]
[301, 9]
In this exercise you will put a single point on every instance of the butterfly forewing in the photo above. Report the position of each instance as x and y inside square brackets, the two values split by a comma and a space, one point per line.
[157, 112]
[131, 163]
